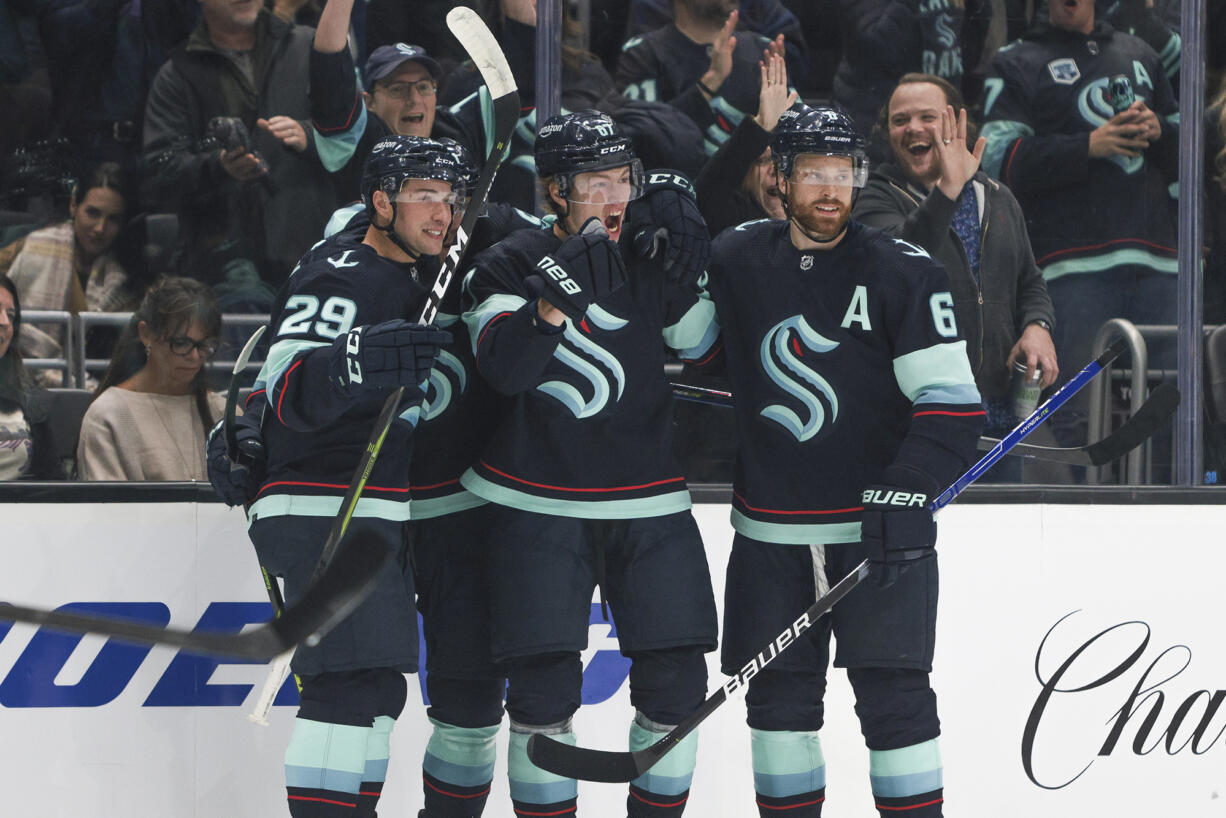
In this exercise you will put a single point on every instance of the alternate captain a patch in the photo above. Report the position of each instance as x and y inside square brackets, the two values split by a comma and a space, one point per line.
[1064, 71]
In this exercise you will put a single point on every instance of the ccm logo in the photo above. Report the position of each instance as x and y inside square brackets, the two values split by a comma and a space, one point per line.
[894, 498]
[754, 665]
[676, 181]
[555, 271]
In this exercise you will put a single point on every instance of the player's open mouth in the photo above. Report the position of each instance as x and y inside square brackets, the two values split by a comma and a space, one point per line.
[613, 222]
[413, 119]
[828, 208]
[434, 234]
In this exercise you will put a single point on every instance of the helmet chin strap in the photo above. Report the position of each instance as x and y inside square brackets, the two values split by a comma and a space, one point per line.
[394, 237]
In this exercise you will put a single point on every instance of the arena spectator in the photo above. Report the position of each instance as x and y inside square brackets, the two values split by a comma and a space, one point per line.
[228, 148]
[932, 193]
[1154, 21]
[152, 411]
[71, 265]
[1095, 185]
[739, 183]
[884, 39]
[770, 18]
[26, 446]
[700, 65]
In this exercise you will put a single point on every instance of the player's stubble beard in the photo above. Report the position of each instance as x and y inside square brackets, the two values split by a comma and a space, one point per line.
[820, 225]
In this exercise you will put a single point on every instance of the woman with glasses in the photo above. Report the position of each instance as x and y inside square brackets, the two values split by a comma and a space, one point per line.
[151, 413]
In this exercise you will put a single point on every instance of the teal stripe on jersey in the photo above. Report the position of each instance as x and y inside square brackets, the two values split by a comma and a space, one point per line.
[906, 771]
[672, 774]
[463, 756]
[379, 749]
[657, 506]
[528, 782]
[727, 110]
[1000, 133]
[959, 393]
[1106, 261]
[280, 356]
[693, 335]
[940, 366]
[280, 505]
[337, 149]
[787, 762]
[488, 310]
[433, 507]
[326, 756]
[341, 217]
[795, 533]
[1170, 54]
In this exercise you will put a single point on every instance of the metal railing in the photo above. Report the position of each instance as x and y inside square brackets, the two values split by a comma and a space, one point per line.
[77, 369]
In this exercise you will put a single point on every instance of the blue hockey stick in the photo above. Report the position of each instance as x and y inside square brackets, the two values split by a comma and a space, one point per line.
[1061, 397]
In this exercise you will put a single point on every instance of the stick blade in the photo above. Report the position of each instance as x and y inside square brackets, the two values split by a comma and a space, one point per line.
[484, 50]
[583, 763]
[1160, 405]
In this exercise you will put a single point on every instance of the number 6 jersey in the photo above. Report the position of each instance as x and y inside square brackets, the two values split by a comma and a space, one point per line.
[847, 369]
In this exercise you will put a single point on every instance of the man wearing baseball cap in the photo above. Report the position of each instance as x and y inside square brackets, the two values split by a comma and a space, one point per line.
[402, 81]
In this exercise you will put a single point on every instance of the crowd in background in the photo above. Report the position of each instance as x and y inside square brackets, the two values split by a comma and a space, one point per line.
[164, 159]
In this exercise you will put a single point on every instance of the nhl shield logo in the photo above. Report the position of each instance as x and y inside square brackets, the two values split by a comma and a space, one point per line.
[1064, 71]
[806, 262]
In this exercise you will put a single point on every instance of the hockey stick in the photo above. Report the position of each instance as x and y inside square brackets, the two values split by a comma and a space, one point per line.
[339, 590]
[481, 46]
[232, 395]
[1160, 405]
[588, 764]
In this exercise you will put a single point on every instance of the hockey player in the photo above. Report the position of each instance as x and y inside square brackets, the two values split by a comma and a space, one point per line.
[585, 488]
[855, 407]
[341, 343]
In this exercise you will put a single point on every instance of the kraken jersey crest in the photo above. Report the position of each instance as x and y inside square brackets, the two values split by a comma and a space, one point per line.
[581, 354]
[782, 362]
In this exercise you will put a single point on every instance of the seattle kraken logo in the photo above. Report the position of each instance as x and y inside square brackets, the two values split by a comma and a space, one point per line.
[809, 386]
[1094, 105]
[440, 391]
[601, 390]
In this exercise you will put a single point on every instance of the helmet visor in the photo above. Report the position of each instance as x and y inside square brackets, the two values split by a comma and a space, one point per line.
[454, 199]
[610, 186]
[829, 170]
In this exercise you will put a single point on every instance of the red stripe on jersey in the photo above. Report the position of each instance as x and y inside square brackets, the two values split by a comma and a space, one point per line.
[329, 486]
[321, 801]
[485, 791]
[950, 414]
[715, 350]
[284, 380]
[498, 317]
[1009, 163]
[775, 511]
[792, 806]
[564, 488]
[353, 113]
[434, 485]
[519, 811]
[909, 806]
[253, 394]
[1088, 247]
[635, 795]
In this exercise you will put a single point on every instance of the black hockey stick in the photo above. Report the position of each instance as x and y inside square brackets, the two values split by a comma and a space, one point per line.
[339, 590]
[587, 764]
[232, 395]
[617, 768]
[1156, 410]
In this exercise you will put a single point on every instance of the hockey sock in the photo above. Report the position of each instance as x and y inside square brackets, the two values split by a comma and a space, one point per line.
[457, 770]
[789, 773]
[533, 790]
[662, 791]
[324, 767]
[377, 752]
[907, 781]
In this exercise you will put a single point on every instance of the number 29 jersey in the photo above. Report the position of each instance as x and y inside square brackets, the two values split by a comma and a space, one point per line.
[847, 370]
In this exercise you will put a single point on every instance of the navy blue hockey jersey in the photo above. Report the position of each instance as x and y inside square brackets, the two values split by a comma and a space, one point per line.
[847, 369]
[589, 433]
[1047, 92]
[315, 435]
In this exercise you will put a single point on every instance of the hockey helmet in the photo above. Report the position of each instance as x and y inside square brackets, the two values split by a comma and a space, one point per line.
[464, 159]
[822, 131]
[396, 158]
[570, 144]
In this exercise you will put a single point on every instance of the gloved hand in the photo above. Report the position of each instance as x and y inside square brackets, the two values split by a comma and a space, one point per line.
[897, 528]
[237, 481]
[586, 268]
[383, 356]
[666, 219]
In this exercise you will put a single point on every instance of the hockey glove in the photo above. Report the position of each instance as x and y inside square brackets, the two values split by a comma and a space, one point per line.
[237, 481]
[667, 220]
[586, 268]
[383, 356]
[897, 528]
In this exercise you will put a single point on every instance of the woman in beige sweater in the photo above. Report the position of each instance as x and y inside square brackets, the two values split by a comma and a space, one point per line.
[152, 412]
